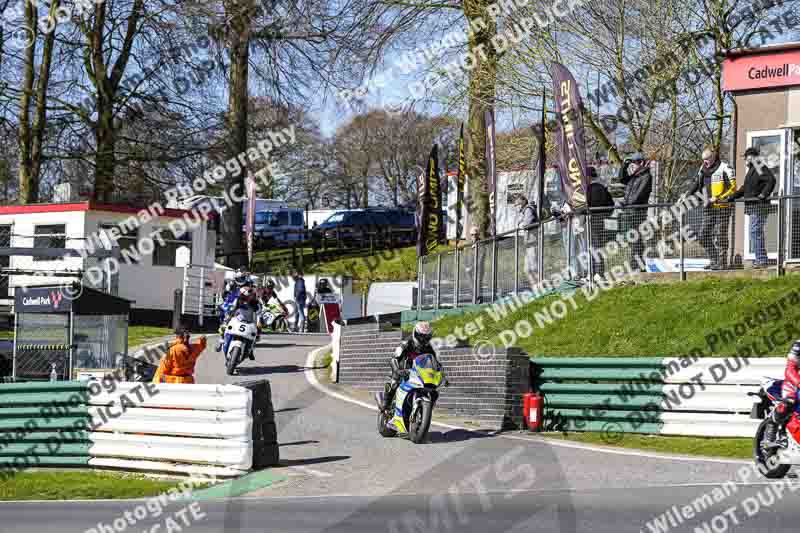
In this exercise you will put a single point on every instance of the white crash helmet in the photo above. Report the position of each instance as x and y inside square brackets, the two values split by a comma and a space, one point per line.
[422, 335]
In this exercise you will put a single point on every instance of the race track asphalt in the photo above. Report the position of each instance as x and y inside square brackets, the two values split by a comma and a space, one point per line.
[341, 476]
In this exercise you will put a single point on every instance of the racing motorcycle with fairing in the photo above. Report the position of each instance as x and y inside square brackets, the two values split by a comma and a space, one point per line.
[774, 460]
[241, 333]
[414, 400]
[273, 317]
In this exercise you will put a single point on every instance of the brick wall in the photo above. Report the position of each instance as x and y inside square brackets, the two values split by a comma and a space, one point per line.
[489, 390]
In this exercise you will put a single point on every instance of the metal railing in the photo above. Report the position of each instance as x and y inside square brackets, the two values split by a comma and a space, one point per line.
[607, 242]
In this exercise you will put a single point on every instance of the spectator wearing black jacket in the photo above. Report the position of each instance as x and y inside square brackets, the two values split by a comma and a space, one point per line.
[758, 186]
[598, 198]
[635, 175]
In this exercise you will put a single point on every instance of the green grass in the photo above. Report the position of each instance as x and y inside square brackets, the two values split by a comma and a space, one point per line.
[80, 485]
[731, 448]
[138, 335]
[325, 359]
[647, 320]
[399, 264]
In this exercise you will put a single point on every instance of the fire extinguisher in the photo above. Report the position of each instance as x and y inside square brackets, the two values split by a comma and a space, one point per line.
[533, 408]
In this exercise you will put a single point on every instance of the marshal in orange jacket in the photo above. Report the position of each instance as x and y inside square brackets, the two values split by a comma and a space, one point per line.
[178, 365]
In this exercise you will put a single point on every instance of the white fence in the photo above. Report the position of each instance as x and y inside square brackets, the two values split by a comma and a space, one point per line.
[190, 429]
[719, 407]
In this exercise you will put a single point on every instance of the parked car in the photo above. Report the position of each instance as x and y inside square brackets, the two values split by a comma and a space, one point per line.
[354, 227]
[279, 226]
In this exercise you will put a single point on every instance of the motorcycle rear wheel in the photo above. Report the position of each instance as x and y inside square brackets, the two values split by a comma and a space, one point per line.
[420, 422]
[233, 359]
[765, 461]
[384, 431]
[280, 325]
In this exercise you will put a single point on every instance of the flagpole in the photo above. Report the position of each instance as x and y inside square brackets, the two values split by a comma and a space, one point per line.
[542, 157]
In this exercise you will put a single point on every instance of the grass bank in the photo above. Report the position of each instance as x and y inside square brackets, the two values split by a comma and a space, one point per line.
[399, 264]
[648, 320]
[728, 448]
[138, 335]
[80, 485]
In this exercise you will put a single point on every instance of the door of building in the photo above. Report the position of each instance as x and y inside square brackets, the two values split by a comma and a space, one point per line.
[772, 146]
[792, 187]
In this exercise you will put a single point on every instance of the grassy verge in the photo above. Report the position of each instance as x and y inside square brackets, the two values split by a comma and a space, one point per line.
[80, 485]
[730, 448]
[138, 335]
[648, 320]
[325, 359]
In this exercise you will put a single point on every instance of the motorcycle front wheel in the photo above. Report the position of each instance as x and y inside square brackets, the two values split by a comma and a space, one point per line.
[233, 359]
[420, 422]
[767, 460]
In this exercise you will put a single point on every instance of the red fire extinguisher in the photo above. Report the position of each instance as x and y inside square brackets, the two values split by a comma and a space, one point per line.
[533, 408]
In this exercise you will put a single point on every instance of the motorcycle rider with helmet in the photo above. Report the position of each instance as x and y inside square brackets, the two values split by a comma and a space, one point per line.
[241, 279]
[791, 381]
[268, 293]
[417, 344]
[247, 299]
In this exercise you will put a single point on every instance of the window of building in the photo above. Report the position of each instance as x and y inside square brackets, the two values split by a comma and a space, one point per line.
[49, 236]
[164, 255]
[128, 240]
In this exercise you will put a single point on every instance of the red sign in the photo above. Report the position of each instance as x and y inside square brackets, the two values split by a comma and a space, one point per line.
[761, 71]
[330, 312]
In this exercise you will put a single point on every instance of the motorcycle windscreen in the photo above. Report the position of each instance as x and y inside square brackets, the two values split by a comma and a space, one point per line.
[428, 369]
[774, 390]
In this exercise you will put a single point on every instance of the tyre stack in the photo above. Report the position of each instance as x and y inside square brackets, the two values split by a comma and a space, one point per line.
[265, 432]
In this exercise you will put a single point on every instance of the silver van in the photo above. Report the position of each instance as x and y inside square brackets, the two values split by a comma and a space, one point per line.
[280, 225]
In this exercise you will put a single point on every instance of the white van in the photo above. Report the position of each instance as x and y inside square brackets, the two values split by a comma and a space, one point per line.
[280, 226]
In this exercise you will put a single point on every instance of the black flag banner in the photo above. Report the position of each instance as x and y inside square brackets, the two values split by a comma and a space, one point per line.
[429, 207]
[491, 170]
[571, 142]
[460, 177]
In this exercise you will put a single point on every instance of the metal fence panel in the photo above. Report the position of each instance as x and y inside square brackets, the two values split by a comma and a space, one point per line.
[42, 341]
[484, 271]
[466, 276]
[792, 210]
[447, 283]
[528, 258]
[555, 247]
[428, 285]
[100, 341]
[506, 270]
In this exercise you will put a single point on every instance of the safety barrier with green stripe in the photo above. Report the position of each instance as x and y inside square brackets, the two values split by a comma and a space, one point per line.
[43, 424]
[671, 396]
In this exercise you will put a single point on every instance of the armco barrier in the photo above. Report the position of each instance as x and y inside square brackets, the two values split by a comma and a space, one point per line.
[43, 425]
[213, 430]
[668, 396]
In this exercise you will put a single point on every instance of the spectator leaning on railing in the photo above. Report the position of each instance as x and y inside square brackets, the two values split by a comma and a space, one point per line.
[635, 175]
[527, 217]
[598, 197]
[719, 181]
[758, 186]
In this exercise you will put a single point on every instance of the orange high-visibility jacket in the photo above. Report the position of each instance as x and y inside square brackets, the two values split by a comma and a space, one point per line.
[178, 365]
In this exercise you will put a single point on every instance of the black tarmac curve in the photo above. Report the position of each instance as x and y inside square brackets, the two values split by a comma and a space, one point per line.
[341, 476]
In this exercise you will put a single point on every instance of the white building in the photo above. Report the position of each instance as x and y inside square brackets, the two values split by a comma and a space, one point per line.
[149, 279]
